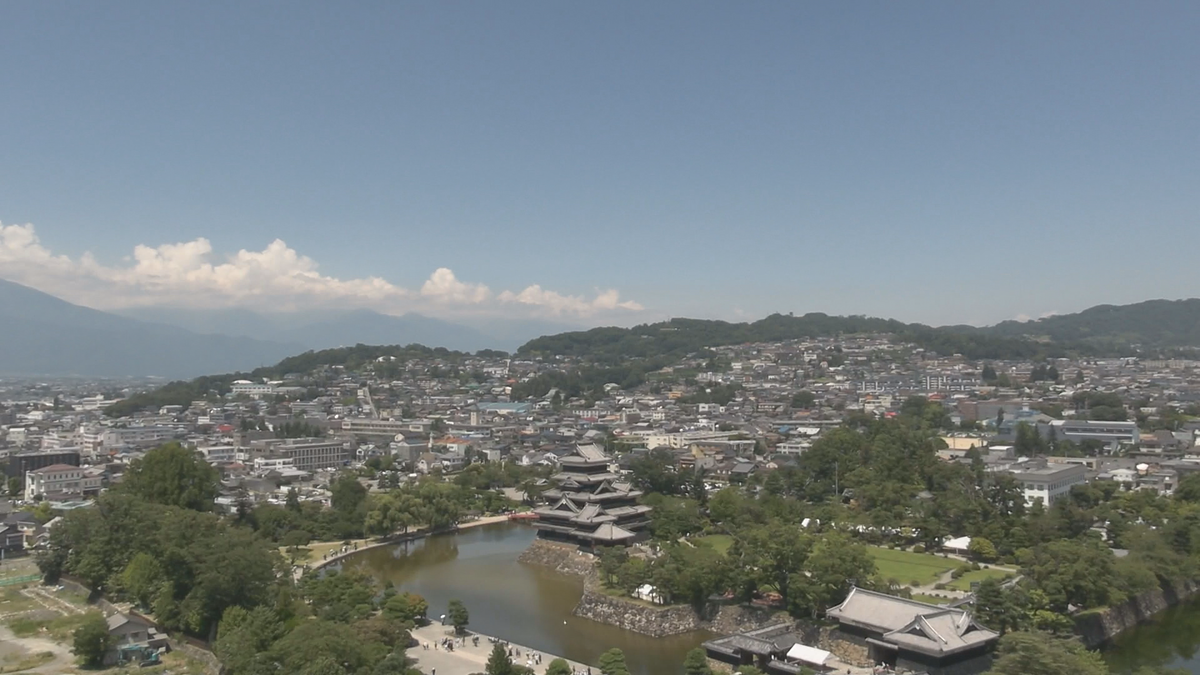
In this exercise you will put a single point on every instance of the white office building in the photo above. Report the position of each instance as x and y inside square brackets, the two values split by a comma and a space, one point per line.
[1049, 483]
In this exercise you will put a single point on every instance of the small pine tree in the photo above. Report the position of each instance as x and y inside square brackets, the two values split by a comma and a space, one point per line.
[612, 662]
[696, 663]
[499, 663]
[459, 618]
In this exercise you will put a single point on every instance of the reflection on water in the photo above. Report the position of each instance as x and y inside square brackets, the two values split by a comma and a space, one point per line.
[1172, 639]
[524, 604]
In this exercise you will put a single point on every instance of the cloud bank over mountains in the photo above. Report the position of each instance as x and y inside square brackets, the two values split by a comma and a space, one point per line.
[192, 274]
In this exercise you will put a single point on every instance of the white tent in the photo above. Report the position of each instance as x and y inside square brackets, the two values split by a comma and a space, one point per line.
[807, 654]
[960, 544]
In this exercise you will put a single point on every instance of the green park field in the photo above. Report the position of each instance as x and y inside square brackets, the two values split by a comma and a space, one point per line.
[907, 568]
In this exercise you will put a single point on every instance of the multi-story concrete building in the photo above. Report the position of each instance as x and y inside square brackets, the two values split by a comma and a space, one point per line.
[310, 454]
[1049, 482]
[252, 389]
[24, 462]
[373, 427]
[1112, 434]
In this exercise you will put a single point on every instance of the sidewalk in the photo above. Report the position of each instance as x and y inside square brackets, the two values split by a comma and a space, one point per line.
[469, 658]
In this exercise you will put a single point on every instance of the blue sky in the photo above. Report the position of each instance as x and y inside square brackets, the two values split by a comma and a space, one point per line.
[611, 162]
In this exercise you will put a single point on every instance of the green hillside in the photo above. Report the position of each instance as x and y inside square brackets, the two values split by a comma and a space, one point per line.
[1154, 323]
[679, 337]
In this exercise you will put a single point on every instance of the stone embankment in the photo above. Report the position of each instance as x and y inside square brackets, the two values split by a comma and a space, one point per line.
[639, 618]
[1097, 628]
[562, 558]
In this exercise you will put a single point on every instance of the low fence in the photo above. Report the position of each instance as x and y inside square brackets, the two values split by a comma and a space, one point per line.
[13, 581]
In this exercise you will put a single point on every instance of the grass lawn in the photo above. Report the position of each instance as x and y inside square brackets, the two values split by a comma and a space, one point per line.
[931, 599]
[319, 548]
[12, 601]
[720, 542]
[963, 583]
[59, 628]
[24, 662]
[907, 568]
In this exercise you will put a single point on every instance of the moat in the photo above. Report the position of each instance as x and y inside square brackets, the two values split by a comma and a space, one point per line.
[524, 604]
[1172, 639]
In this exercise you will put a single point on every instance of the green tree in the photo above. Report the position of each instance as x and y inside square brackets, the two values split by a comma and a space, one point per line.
[14, 488]
[91, 640]
[142, 578]
[244, 638]
[346, 494]
[982, 549]
[558, 667]
[696, 663]
[612, 662]
[1037, 653]
[1189, 489]
[172, 475]
[998, 609]
[408, 607]
[836, 562]
[498, 662]
[803, 400]
[777, 552]
[458, 615]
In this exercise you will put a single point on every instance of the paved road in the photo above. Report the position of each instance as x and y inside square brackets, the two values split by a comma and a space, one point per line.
[468, 659]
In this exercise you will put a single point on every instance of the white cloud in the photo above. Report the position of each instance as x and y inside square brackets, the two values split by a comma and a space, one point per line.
[444, 286]
[569, 304]
[277, 277]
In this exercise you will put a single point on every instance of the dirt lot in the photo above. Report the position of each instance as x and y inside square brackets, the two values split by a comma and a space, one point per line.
[36, 626]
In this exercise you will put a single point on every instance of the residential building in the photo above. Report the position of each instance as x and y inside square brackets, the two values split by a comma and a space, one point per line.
[58, 479]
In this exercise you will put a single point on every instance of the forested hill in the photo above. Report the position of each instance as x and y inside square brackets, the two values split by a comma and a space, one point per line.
[679, 337]
[1101, 330]
[1154, 323]
[184, 392]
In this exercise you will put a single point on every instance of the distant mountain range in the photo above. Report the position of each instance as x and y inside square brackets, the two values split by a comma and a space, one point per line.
[324, 329]
[44, 335]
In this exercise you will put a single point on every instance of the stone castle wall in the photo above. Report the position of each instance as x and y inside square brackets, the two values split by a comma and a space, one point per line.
[639, 618]
[1097, 628]
[558, 556]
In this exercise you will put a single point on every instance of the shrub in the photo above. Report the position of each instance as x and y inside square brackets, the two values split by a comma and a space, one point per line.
[918, 549]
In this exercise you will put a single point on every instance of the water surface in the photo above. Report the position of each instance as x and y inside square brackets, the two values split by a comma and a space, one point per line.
[524, 604]
[1172, 639]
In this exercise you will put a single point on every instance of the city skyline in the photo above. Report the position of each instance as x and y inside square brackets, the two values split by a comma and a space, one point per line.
[602, 165]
